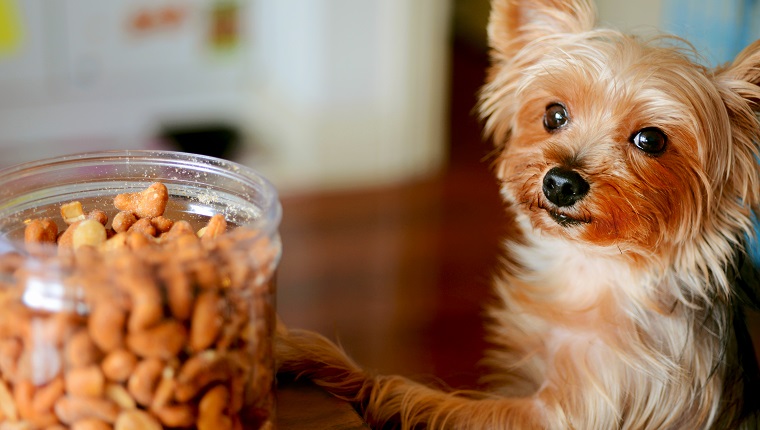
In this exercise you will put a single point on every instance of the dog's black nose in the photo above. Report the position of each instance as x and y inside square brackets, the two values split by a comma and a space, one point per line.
[564, 187]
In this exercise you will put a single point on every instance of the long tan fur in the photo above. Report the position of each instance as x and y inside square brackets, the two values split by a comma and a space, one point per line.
[617, 311]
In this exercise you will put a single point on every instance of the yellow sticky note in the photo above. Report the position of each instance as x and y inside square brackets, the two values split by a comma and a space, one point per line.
[10, 27]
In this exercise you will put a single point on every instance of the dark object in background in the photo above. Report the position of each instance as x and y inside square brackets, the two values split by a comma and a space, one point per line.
[216, 140]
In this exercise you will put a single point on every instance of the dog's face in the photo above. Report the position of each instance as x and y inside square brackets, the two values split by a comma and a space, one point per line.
[612, 142]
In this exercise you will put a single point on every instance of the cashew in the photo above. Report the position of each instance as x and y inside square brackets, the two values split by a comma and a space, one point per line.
[119, 395]
[117, 242]
[85, 381]
[7, 403]
[80, 350]
[206, 322]
[136, 240]
[144, 379]
[122, 221]
[99, 216]
[91, 424]
[147, 305]
[211, 408]
[66, 238]
[41, 231]
[179, 293]
[118, 365]
[200, 371]
[70, 409]
[148, 203]
[182, 415]
[24, 393]
[143, 226]
[165, 389]
[136, 420]
[216, 226]
[106, 325]
[163, 341]
[161, 224]
[10, 351]
[179, 228]
[46, 396]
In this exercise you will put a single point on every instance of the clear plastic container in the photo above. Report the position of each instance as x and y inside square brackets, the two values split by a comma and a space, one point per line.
[157, 334]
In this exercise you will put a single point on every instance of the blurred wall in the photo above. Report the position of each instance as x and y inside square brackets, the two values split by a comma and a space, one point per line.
[322, 93]
[471, 17]
[351, 92]
[88, 74]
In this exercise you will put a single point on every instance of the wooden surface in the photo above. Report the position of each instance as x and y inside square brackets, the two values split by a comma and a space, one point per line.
[303, 406]
[399, 274]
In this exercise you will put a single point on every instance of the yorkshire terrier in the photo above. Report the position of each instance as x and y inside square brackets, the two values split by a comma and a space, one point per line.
[633, 174]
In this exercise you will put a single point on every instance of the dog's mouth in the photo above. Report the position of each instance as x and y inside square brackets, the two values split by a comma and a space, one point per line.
[565, 219]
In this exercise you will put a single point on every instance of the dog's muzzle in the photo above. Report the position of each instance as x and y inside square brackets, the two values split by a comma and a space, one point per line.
[564, 187]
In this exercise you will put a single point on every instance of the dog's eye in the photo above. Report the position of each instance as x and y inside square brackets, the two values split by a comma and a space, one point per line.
[650, 140]
[555, 117]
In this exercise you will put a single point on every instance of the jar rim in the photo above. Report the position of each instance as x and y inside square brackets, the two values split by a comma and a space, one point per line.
[269, 204]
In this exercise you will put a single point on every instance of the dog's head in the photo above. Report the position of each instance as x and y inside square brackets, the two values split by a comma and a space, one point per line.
[617, 143]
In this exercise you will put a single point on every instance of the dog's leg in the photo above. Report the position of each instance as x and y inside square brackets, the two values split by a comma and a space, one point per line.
[393, 398]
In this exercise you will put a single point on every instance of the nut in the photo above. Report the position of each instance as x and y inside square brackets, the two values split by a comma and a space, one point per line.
[163, 341]
[45, 397]
[119, 395]
[24, 393]
[162, 224]
[80, 351]
[10, 351]
[91, 424]
[118, 365]
[147, 304]
[123, 221]
[7, 404]
[99, 216]
[181, 416]
[85, 381]
[144, 379]
[148, 203]
[179, 293]
[88, 233]
[216, 226]
[206, 322]
[136, 420]
[70, 409]
[211, 408]
[143, 226]
[106, 325]
[72, 212]
[200, 371]
[165, 389]
[41, 231]
[66, 238]
[170, 345]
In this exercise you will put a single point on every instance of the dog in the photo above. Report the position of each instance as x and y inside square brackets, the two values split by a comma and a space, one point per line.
[632, 171]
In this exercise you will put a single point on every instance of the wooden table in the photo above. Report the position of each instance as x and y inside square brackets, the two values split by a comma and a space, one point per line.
[303, 406]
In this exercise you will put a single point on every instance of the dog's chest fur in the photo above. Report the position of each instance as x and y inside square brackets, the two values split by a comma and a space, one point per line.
[585, 321]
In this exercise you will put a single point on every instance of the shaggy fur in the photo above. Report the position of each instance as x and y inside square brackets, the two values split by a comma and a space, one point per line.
[620, 309]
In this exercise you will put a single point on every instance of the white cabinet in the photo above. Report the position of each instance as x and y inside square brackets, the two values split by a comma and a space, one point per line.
[325, 92]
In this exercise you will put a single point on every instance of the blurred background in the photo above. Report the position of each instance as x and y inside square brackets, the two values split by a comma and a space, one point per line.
[360, 112]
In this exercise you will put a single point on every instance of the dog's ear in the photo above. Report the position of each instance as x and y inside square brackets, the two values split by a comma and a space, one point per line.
[514, 23]
[739, 84]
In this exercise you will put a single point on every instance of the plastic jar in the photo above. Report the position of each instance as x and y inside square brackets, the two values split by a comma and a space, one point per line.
[159, 334]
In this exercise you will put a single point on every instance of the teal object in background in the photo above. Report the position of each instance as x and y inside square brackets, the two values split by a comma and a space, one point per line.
[719, 30]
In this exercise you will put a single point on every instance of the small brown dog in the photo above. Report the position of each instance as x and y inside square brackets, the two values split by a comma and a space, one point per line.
[633, 173]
